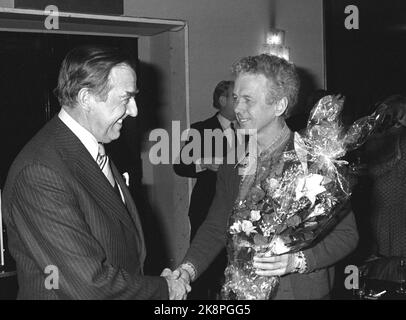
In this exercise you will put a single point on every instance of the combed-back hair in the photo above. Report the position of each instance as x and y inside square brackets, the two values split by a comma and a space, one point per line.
[88, 67]
[221, 90]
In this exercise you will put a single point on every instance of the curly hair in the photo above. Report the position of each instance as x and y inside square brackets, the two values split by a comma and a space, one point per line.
[282, 75]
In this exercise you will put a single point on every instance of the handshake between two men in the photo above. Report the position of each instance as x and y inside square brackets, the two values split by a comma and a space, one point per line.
[178, 283]
[269, 266]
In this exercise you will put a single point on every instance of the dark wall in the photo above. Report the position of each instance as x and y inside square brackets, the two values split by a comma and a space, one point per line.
[114, 7]
[367, 64]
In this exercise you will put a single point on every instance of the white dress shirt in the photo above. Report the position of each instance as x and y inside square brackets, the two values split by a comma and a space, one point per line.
[87, 139]
[225, 124]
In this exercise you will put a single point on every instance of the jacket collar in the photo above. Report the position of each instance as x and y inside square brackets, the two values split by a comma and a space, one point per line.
[89, 175]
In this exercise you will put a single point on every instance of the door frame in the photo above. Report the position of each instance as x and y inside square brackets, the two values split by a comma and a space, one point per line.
[162, 43]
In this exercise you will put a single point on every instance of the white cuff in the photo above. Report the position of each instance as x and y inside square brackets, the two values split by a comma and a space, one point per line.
[198, 164]
[190, 269]
[301, 263]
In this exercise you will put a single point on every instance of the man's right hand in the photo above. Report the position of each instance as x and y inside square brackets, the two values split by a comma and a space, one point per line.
[212, 167]
[212, 164]
[178, 285]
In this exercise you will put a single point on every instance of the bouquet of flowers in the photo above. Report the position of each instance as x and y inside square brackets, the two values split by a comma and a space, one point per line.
[294, 200]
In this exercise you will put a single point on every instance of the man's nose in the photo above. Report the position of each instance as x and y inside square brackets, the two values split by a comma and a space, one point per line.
[132, 109]
[238, 106]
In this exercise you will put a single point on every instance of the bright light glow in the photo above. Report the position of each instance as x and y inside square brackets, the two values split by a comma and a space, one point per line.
[275, 36]
[275, 44]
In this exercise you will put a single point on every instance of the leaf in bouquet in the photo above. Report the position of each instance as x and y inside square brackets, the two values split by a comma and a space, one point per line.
[242, 241]
[293, 221]
[260, 240]
[267, 218]
[256, 194]
[251, 204]
[280, 228]
[306, 236]
[244, 254]
[299, 209]
[243, 213]
[268, 206]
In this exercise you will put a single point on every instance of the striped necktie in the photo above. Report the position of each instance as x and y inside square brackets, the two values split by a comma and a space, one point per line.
[103, 162]
[232, 126]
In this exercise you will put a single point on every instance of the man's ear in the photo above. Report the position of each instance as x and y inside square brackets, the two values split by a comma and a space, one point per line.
[84, 98]
[281, 106]
[223, 101]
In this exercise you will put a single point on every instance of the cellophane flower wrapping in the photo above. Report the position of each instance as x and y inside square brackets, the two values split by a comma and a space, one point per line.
[289, 209]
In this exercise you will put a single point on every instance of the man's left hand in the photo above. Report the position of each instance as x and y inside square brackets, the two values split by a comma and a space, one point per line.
[275, 265]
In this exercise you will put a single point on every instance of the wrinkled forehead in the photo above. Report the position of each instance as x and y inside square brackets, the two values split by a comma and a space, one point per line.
[250, 80]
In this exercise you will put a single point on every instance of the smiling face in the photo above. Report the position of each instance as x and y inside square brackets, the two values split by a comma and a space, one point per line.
[251, 107]
[105, 118]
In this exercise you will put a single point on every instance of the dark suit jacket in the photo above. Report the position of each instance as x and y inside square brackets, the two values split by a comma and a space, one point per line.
[205, 187]
[316, 284]
[60, 210]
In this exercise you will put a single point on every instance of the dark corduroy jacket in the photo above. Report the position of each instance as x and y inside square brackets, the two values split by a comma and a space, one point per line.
[315, 284]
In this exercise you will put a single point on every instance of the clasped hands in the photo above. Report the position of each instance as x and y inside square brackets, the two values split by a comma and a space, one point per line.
[178, 283]
[179, 279]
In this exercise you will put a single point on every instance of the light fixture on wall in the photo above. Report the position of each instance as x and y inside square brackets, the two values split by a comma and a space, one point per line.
[275, 44]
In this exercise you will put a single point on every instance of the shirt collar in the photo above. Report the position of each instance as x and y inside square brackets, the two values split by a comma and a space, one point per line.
[225, 123]
[88, 140]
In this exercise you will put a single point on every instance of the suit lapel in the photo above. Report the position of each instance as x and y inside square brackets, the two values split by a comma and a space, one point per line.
[132, 209]
[214, 123]
[88, 173]
[236, 181]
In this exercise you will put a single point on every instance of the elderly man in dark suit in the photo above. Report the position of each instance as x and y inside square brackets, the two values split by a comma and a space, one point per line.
[265, 90]
[70, 216]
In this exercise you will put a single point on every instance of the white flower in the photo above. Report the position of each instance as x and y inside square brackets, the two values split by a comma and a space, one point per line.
[272, 185]
[255, 215]
[236, 227]
[278, 246]
[247, 227]
[318, 210]
[310, 186]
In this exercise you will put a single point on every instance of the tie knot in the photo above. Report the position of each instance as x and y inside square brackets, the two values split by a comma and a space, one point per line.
[232, 126]
[102, 151]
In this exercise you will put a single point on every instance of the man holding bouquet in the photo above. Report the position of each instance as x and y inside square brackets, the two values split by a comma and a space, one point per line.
[266, 89]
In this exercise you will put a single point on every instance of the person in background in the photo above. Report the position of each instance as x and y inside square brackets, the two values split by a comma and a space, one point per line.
[385, 156]
[205, 187]
[73, 228]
